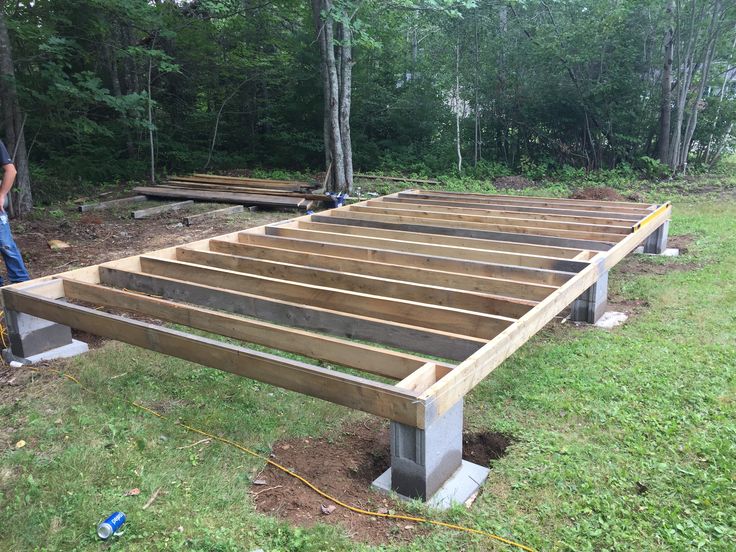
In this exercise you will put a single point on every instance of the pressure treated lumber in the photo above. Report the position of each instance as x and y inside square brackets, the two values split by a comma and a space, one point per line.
[445, 393]
[383, 332]
[363, 283]
[520, 220]
[466, 277]
[348, 219]
[397, 179]
[422, 235]
[484, 210]
[224, 197]
[191, 219]
[468, 250]
[500, 205]
[375, 360]
[422, 277]
[112, 203]
[340, 388]
[153, 211]
[446, 319]
[268, 246]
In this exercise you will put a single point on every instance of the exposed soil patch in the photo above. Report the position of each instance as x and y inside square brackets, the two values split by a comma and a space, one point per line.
[107, 235]
[482, 447]
[345, 467]
[513, 183]
[599, 193]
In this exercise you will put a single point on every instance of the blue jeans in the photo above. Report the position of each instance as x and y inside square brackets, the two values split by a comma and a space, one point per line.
[11, 254]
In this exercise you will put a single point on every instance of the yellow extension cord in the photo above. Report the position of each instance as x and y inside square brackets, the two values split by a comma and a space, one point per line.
[279, 466]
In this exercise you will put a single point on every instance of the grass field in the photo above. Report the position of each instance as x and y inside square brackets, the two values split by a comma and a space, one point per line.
[624, 440]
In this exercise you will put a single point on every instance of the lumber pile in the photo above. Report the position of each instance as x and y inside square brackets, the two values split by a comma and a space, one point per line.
[242, 191]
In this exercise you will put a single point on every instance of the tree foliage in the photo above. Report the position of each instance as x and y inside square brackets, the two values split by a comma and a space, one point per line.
[522, 84]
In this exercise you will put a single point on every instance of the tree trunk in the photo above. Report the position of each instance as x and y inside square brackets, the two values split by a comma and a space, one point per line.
[457, 105]
[346, 83]
[665, 113]
[337, 82]
[13, 123]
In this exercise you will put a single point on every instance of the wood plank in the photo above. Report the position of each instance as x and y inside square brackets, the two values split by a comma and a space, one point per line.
[199, 186]
[374, 360]
[561, 200]
[446, 392]
[222, 197]
[409, 246]
[112, 203]
[344, 218]
[504, 294]
[482, 326]
[404, 336]
[238, 181]
[191, 219]
[399, 203]
[362, 282]
[340, 388]
[401, 197]
[423, 378]
[396, 178]
[152, 211]
[518, 220]
[365, 213]
[337, 256]
[504, 200]
[435, 239]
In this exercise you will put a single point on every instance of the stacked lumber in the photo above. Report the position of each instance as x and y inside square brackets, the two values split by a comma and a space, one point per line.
[243, 191]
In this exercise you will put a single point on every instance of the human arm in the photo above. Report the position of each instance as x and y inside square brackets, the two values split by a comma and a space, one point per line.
[9, 172]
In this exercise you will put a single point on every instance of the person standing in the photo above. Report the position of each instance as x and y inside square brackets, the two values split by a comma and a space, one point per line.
[11, 254]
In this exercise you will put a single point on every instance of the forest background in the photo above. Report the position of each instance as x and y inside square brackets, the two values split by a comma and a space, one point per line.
[95, 91]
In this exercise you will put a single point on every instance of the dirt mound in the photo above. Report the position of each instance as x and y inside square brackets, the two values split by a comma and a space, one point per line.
[345, 467]
[601, 193]
[513, 183]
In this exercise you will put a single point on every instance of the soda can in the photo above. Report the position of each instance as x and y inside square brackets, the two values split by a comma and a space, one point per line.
[108, 527]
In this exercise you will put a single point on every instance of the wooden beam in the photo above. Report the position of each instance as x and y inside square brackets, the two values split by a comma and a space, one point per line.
[539, 202]
[112, 203]
[318, 241]
[403, 336]
[446, 392]
[374, 360]
[362, 281]
[337, 387]
[560, 200]
[365, 213]
[399, 203]
[506, 290]
[502, 206]
[266, 243]
[152, 211]
[344, 218]
[517, 220]
[437, 239]
[396, 178]
[482, 326]
[191, 219]
[223, 197]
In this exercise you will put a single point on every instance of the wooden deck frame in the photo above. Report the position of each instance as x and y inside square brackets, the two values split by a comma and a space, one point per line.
[384, 287]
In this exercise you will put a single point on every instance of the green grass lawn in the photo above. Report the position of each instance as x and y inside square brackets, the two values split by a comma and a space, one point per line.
[624, 440]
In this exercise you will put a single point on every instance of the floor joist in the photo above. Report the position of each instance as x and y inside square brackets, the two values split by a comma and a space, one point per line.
[377, 287]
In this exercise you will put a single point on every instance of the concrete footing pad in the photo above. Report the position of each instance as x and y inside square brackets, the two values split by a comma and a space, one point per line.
[74, 348]
[611, 319]
[458, 489]
[669, 252]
